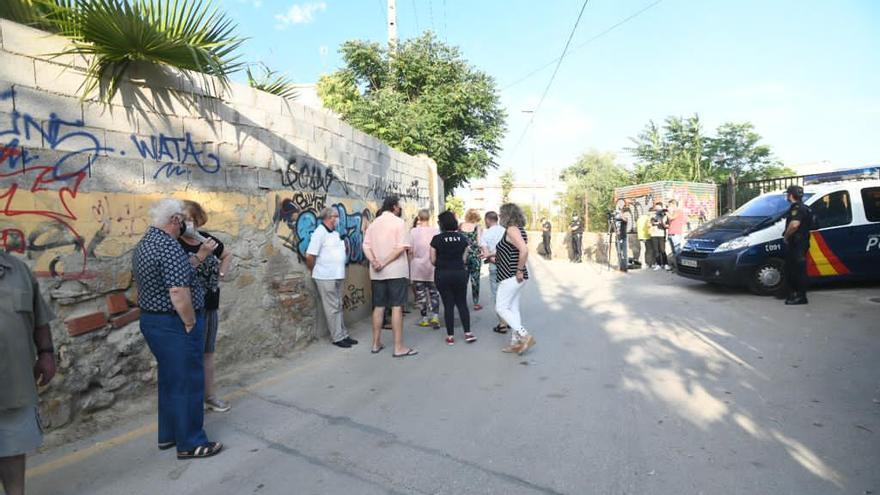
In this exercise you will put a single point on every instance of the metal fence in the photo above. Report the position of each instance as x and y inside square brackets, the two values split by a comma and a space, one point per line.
[734, 194]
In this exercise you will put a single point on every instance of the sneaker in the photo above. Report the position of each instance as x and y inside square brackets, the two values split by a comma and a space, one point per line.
[350, 341]
[470, 338]
[656, 268]
[667, 268]
[424, 323]
[450, 340]
[435, 323]
[343, 344]
[216, 405]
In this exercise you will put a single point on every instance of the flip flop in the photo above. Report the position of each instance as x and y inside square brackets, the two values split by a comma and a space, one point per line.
[377, 349]
[411, 352]
[500, 329]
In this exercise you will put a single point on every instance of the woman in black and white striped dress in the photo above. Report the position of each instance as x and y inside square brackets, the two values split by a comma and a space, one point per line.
[511, 256]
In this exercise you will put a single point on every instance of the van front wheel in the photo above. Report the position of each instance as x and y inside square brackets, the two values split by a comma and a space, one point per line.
[768, 278]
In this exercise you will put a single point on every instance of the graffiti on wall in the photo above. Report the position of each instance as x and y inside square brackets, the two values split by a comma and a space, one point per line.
[380, 188]
[305, 174]
[698, 203]
[354, 298]
[43, 164]
[176, 153]
[299, 214]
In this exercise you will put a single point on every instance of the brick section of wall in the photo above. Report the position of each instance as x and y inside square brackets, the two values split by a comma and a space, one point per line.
[116, 303]
[84, 324]
[124, 319]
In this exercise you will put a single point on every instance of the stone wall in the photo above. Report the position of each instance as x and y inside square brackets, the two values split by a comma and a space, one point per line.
[78, 177]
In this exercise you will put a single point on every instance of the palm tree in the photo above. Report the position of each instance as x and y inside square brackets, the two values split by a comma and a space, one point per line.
[113, 34]
[272, 82]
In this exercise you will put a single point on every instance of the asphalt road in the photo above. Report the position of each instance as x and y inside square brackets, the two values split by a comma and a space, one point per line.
[643, 383]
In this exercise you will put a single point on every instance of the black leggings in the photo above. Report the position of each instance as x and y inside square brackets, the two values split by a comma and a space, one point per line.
[659, 244]
[452, 285]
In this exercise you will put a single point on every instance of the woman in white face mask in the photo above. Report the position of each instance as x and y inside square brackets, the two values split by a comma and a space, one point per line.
[211, 260]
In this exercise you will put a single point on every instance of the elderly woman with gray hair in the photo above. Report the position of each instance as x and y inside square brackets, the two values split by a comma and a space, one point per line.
[325, 258]
[511, 256]
[172, 322]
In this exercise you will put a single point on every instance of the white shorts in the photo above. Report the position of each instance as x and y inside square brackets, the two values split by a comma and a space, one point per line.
[20, 431]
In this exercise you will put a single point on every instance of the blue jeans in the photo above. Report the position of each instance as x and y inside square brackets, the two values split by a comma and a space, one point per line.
[179, 356]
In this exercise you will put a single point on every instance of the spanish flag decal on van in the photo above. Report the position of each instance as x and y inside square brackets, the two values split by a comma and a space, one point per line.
[821, 260]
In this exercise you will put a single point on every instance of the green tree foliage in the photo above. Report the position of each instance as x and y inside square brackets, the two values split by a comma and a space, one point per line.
[506, 185]
[680, 150]
[113, 34]
[456, 205]
[421, 97]
[593, 178]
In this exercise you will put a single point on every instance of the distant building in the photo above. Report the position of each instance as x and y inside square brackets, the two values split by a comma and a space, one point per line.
[537, 196]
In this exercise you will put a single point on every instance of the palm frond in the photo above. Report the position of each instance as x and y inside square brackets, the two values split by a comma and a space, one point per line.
[272, 83]
[185, 34]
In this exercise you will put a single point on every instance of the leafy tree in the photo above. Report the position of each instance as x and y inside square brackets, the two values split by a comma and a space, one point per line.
[421, 97]
[506, 185]
[671, 152]
[456, 205]
[736, 150]
[593, 179]
[529, 214]
[679, 150]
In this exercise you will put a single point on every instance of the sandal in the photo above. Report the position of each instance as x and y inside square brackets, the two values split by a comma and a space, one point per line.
[207, 450]
[500, 328]
[376, 350]
[411, 352]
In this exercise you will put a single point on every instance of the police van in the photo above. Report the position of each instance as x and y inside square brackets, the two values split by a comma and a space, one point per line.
[745, 248]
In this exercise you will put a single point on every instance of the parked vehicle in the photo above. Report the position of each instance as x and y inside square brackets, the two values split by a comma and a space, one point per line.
[745, 248]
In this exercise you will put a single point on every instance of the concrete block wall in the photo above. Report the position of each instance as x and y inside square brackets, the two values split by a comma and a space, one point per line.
[78, 178]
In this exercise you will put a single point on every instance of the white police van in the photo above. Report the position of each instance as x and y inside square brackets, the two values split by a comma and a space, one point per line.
[745, 248]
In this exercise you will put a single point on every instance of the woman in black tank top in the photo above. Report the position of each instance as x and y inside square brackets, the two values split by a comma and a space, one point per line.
[511, 256]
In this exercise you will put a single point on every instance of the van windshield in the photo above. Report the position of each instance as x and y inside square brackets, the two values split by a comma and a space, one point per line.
[764, 206]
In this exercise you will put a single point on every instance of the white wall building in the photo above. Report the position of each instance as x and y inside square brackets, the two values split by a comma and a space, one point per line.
[486, 195]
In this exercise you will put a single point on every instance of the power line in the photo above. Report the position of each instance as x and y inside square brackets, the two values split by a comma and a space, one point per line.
[445, 28]
[416, 14]
[384, 10]
[555, 71]
[587, 42]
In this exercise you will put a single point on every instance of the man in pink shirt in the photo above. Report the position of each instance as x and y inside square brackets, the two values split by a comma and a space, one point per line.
[677, 219]
[385, 245]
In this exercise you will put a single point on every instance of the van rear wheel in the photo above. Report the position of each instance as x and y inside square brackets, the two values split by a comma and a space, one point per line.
[768, 278]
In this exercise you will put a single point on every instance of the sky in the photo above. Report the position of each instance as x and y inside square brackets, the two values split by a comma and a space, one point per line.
[806, 73]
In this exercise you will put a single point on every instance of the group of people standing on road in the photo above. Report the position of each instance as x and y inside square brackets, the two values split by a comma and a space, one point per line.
[439, 260]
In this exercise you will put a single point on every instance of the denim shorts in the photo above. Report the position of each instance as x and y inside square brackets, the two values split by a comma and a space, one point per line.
[20, 431]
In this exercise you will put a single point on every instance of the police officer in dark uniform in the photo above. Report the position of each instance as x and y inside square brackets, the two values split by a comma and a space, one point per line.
[577, 239]
[798, 221]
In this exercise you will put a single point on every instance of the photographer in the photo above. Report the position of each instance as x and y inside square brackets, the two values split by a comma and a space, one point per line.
[577, 238]
[618, 225]
[659, 225]
[632, 237]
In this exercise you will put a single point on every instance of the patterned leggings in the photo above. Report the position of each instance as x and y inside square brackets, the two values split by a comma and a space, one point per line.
[473, 268]
[428, 298]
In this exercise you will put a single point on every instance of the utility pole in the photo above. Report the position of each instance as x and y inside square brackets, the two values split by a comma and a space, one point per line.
[392, 23]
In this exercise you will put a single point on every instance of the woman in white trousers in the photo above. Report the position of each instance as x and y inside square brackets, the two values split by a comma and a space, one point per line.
[511, 256]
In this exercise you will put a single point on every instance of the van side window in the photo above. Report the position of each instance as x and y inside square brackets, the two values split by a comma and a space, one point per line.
[832, 210]
[871, 199]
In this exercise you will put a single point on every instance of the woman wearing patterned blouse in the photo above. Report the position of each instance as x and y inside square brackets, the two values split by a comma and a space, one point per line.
[211, 267]
[511, 256]
[471, 229]
[172, 322]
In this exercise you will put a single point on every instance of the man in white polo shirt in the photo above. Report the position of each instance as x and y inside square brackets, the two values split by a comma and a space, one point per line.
[325, 258]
